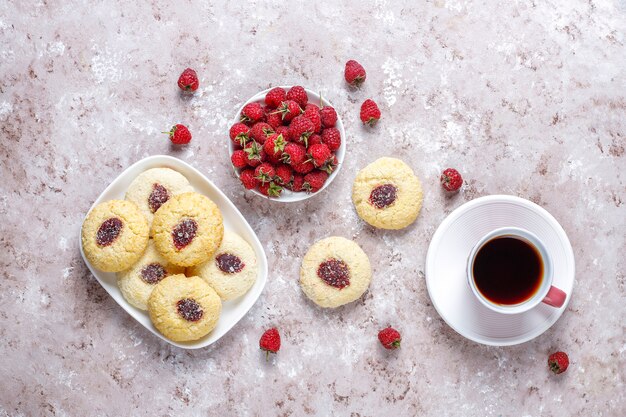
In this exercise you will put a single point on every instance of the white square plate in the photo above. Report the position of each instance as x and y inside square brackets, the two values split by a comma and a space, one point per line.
[233, 310]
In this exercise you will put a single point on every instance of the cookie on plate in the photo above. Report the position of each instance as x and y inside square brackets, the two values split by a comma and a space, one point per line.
[184, 308]
[335, 271]
[114, 235]
[387, 194]
[232, 270]
[188, 229]
[153, 187]
[138, 281]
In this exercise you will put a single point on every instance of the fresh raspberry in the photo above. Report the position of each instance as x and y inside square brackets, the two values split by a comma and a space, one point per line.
[330, 165]
[283, 174]
[273, 119]
[294, 154]
[239, 133]
[261, 131]
[270, 341]
[354, 73]
[264, 172]
[451, 180]
[328, 116]
[247, 179]
[558, 362]
[188, 80]
[390, 338]
[284, 130]
[312, 112]
[296, 183]
[274, 146]
[288, 110]
[370, 113]
[332, 138]
[270, 189]
[252, 113]
[319, 154]
[303, 167]
[274, 97]
[298, 94]
[315, 180]
[315, 139]
[300, 129]
[253, 154]
[239, 159]
[179, 134]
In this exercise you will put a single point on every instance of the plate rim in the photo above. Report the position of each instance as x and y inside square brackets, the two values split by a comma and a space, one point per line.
[455, 214]
[262, 274]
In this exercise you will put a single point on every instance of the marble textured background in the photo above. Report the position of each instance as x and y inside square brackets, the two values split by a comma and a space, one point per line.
[524, 97]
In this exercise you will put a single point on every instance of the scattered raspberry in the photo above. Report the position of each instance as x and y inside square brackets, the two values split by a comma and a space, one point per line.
[283, 174]
[354, 73]
[296, 183]
[328, 116]
[239, 134]
[298, 94]
[274, 146]
[312, 112]
[451, 180]
[314, 181]
[239, 159]
[253, 153]
[274, 97]
[270, 342]
[248, 180]
[558, 362]
[294, 154]
[319, 154]
[264, 172]
[289, 109]
[270, 189]
[300, 129]
[188, 80]
[331, 138]
[390, 338]
[370, 113]
[179, 134]
[261, 131]
[252, 112]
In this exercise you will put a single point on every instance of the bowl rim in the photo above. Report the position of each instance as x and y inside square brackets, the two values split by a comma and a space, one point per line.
[288, 196]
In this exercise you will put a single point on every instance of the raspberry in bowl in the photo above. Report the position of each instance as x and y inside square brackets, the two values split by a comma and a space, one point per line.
[286, 144]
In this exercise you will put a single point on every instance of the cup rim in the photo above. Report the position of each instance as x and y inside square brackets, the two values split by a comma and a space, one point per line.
[530, 238]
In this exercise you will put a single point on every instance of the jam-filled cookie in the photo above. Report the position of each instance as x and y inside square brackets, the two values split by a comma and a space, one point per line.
[114, 235]
[184, 308]
[138, 281]
[387, 194]
[152, 188]
[188, 229]
[335, 271]
[232, 270]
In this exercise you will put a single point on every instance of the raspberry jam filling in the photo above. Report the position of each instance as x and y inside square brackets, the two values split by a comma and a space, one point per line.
[158, 197]
[184, 232]
[109, 231]
[153, 273]
[334, 273]
[383, 196]
[229, 263]
[189, 309]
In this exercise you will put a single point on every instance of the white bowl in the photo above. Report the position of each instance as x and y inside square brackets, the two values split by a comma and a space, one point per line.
[288, 196]
[233, 310]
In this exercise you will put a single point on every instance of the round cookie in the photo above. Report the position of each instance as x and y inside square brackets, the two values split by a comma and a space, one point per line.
[114, 235]
[335, 271]
[152, 188]
[188, 229]
[184, 308]
[137, 282]
[387, 194]
[232, 270]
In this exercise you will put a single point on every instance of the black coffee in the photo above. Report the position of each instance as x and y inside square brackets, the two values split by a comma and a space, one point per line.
[507, 270]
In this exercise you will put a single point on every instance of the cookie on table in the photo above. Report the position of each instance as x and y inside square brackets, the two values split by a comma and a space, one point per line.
[114, 235]
[335, 271]
[184, 308]
[137, 282]
[152, 188]
[387, 194]
[188, 229]
[232, 270]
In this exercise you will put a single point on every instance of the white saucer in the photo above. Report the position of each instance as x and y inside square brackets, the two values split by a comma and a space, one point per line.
[446, 269]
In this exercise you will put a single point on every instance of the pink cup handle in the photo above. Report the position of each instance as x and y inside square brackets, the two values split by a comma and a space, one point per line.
[555, 297]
